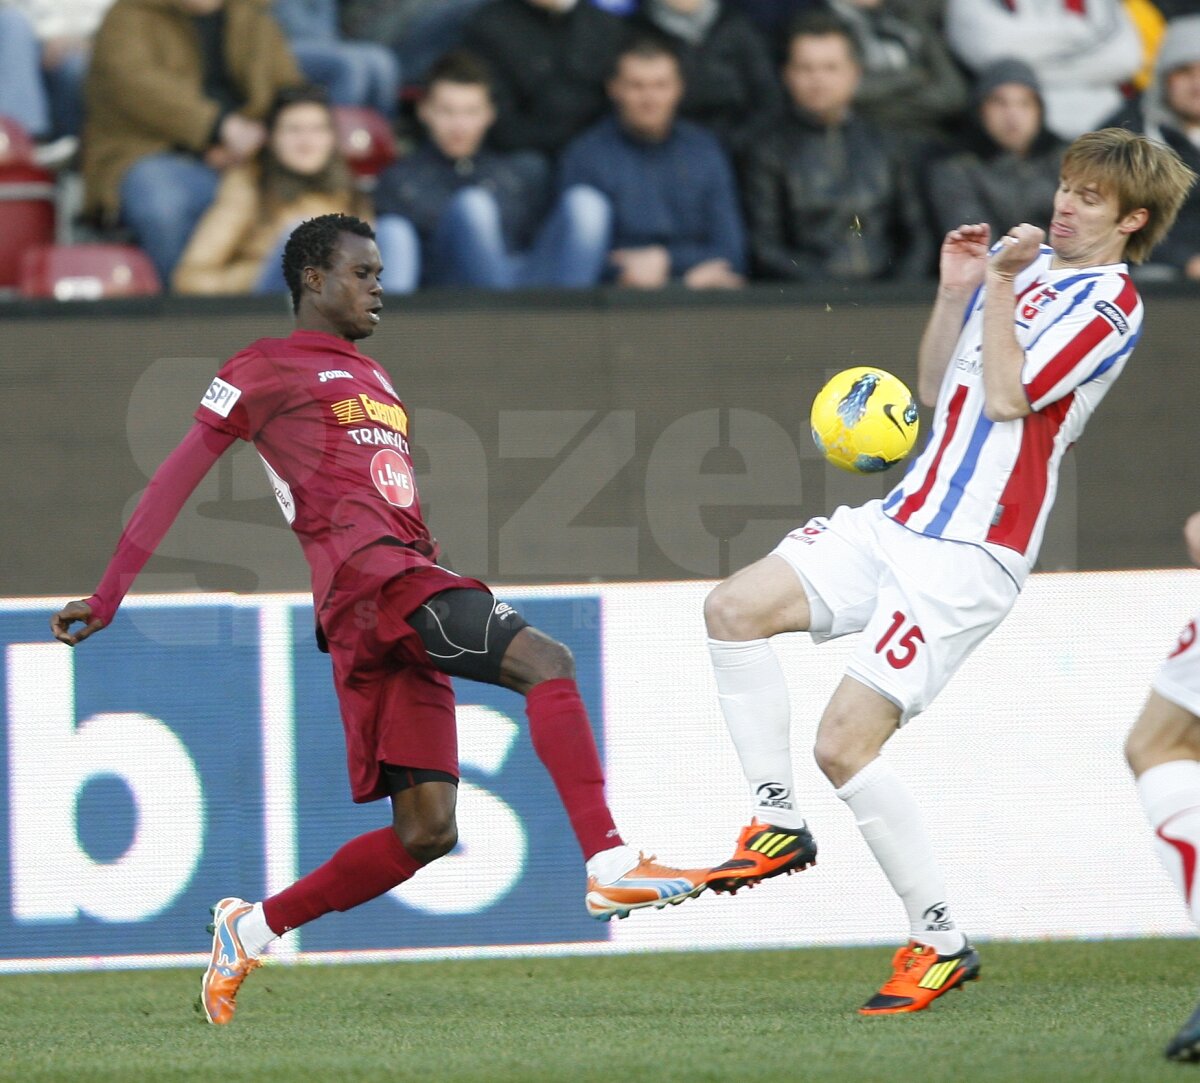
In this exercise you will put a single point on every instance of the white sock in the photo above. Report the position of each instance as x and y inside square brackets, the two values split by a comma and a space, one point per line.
[890, 821]
[1170, 794]
[754, 699]
[610, 865]
[254, 932]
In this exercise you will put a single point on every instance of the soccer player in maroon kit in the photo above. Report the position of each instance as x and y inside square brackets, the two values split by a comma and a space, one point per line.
[333, 435]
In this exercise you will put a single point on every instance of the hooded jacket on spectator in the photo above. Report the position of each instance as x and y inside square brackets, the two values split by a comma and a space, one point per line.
[145, 91]
[981, 181]
[1154, 117]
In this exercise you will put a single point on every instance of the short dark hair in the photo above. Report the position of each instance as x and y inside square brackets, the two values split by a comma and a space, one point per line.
[820, 24]
[306, 94]
[646, 46]
[311, 244]
[461, 67]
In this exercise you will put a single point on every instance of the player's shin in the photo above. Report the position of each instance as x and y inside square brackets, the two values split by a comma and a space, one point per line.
[361, 870]
[1170, 796]
[562, 738]
[754, 700]
[891, 824]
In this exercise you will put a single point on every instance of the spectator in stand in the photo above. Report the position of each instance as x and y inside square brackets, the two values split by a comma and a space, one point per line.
[177, 91]
[355, 72]
[299, 173]
[729, 80]
[45, 46]
[1005, 169]
[909, 81]
[828, 194]
[668, 182]
[1169, 111]
[549, 60]
[419, 32]
[456, 214]
[1080, 52]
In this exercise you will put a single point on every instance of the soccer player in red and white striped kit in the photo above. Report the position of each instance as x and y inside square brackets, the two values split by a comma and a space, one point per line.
[1163, 749]
[1024, 341]
[334, 438]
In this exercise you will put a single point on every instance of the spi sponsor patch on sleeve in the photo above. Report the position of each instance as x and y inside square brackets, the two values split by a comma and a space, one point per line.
[221, 397]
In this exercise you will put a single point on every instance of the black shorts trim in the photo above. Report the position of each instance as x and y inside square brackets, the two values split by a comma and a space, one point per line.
[399, 779]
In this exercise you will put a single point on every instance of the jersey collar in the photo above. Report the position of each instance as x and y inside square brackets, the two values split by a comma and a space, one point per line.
[325, 341]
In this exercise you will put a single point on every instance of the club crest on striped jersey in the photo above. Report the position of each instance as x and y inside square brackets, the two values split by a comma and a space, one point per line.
[1033, 305]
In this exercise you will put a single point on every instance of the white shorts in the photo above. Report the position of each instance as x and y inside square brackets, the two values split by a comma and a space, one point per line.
[1179, 678]
[924, 603]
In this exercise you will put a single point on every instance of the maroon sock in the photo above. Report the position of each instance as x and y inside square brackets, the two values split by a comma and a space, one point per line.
[361, 870]
[562, 738]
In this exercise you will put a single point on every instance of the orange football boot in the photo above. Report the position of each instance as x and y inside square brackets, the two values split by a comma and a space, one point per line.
[646, 884]
[919, 976]
[229, 965]
[763, 851]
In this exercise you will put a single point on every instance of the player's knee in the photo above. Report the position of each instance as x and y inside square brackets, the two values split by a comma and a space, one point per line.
[728, 615]
[551, 660]
[1139, 750]
[839, 759]
[429, 839]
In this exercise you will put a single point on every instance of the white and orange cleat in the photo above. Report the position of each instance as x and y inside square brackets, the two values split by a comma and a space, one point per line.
[229, 965]
[646, 884]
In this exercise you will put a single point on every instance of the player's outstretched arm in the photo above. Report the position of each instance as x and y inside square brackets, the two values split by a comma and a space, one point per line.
[172, 484]
[961, 266]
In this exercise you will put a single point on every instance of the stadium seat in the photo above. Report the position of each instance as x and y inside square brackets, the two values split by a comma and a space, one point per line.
[87, 272]
[26, 216]
[366, 139]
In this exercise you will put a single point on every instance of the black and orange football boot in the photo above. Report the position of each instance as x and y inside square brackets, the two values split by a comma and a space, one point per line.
[919, 976]
[763, 851]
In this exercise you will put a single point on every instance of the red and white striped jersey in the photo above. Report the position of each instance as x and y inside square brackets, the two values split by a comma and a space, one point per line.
[992, 483]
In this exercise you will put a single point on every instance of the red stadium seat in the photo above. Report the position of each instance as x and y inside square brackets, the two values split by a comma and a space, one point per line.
[87, 272]
[16, 145]
[366, 139]
[26, 215]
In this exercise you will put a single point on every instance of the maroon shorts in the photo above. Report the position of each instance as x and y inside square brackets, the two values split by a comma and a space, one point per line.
[396, 707]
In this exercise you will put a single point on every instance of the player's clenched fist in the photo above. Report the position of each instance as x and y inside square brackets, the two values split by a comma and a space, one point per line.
[1018, 249]
[71, 613]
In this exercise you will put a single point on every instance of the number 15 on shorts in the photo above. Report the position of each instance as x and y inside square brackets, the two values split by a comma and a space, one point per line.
[899, 643]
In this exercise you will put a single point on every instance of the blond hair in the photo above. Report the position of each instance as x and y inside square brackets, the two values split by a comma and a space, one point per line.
[1140, 172]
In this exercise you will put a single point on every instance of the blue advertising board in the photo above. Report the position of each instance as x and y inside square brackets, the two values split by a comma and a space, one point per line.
[136, 789]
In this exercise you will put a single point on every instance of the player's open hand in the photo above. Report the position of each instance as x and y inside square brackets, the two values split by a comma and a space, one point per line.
[72, 613]
[963, 257]
[1018, 249]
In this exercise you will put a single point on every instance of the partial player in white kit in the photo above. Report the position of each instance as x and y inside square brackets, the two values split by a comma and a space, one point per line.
[1163, 748]
[1024, 341]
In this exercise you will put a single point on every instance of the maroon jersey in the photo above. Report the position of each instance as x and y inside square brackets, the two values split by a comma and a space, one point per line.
[333, 436]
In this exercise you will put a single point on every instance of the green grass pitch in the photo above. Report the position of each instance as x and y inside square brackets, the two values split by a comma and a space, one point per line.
[1056, 1012]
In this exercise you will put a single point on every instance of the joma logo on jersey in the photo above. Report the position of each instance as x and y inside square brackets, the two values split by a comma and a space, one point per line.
[363, 407]
[1038, 301]
[333, 374]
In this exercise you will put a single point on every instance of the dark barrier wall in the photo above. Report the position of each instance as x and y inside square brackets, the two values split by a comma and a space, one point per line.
[603, 436]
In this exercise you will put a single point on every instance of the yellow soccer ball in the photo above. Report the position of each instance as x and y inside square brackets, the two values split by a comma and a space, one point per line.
[864, 420]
